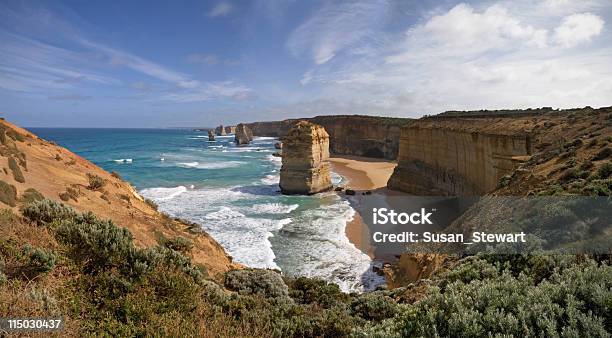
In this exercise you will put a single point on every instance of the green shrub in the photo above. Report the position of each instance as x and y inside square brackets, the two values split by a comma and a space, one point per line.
[598, 188]
[95, 182]
[40, 259]
[96, 244]
[180, 244]
[374, 306]
[46, 211]
[256, 282]
[31, 195]
[8, 194]
[573, 301]
[317, 291]
[17, 174]
[605, 170]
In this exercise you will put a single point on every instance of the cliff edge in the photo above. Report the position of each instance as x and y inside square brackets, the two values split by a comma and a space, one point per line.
[31, 164]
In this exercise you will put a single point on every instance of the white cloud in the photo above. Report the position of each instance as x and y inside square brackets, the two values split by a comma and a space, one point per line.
[578, 28]
[490, 56]
[336, 27]
[462, 26]
[221, 9]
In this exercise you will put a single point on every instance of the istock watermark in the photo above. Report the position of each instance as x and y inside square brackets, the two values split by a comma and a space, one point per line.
[384, 216]
[493, 224]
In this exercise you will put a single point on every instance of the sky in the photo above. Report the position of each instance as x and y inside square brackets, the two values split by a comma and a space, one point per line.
[204, 63]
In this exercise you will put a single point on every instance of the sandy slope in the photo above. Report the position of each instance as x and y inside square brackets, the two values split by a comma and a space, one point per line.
[51, 169]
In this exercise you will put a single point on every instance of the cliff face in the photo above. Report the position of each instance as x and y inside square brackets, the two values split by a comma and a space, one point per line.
[230, 129]
[220, 130]
[59, 174]
[368, 136]
[305, 169]
[244, 135]
[457, 157]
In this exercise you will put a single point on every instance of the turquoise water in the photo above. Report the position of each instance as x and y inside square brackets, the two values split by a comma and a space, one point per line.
[233, 193]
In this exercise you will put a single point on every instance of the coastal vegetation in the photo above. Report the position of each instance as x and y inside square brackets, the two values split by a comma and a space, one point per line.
[89, 270]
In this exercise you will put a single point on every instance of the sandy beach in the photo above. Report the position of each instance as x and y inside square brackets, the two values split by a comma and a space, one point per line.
[361, 174]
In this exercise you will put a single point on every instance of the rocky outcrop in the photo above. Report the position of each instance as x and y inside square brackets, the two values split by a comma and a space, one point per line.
[457, 156]
[211, 135]
[220, 131]
[358, 135]
[243, 134]
[305, 168]
[278, 145]
[230, 129]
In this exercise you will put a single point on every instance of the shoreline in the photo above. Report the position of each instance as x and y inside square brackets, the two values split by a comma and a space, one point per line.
[361, 174]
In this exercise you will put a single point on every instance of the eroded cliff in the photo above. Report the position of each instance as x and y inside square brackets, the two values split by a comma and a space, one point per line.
[358, 135]
[244, 135]
[305, 168]
[457, 156]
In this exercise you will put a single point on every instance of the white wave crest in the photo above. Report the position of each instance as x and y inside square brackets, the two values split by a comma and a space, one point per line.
[210, 165]
[163, 194]
[123, 160]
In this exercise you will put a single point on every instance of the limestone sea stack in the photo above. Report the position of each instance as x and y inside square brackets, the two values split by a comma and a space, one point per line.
[230, 129]
[220, 131]
[305, 168]
[211, 135]
[244, 135]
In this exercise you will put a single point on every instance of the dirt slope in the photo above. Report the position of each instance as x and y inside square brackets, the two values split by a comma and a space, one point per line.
[59, 174]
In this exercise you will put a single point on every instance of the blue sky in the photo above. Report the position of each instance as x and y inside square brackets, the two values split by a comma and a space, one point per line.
[202, 63]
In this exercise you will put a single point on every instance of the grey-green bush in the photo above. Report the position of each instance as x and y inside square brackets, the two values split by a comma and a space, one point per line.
[95, 243]
[180, 244]
[256, 282]
[40, 259]
[374, 306]
[46, 211]
[574, 300]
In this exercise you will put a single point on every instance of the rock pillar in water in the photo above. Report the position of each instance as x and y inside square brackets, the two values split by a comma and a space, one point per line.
[244, 135]
[220, 130]
[211, 135]
[305, 168]
[230, 129]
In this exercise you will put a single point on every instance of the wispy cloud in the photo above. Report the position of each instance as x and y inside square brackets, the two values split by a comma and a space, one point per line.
[221, 9]
[202, 59]
[73, 61]
[336, 27]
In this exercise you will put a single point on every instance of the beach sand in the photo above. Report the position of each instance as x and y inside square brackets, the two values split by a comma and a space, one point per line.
[362, 174]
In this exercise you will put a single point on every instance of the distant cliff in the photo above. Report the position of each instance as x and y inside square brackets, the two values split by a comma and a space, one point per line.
[359, 135]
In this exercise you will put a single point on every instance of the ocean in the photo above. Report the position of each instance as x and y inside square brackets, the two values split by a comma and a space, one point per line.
[232, 192]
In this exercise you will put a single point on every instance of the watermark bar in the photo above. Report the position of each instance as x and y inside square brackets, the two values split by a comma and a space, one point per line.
[31, 324]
